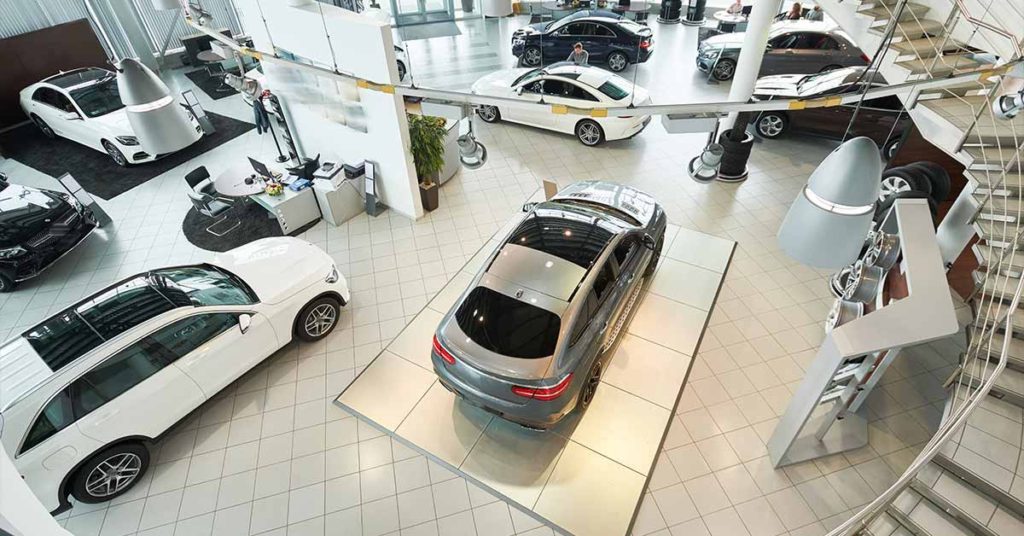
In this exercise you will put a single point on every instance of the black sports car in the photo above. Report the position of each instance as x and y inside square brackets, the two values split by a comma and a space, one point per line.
[37, 227]
[616, 42]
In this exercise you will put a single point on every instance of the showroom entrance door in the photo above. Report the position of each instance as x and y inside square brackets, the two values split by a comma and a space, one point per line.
[408, 12]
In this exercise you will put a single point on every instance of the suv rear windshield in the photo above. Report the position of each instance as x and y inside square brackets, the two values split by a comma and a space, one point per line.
[507, 326]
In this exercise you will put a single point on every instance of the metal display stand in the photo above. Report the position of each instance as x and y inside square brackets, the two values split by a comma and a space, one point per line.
[88, 201]
[191, 103]
[282, 123]
[824, 416]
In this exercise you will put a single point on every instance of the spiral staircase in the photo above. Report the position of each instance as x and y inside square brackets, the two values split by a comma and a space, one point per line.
[969, 478]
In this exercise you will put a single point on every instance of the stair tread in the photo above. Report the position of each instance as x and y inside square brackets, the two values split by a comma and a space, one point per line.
[1014, 353]
[995, 157]
[961, 113]
[994, 231]
[976, 472]
[924, 47]
[885, 12]
[913, 29]
[948, 63]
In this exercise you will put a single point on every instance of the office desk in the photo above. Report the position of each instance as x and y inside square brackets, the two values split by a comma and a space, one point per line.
[292, 209]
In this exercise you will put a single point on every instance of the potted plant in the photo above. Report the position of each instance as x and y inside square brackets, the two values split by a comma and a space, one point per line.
[427, 135]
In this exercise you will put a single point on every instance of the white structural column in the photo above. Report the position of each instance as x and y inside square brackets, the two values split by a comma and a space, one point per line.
[754, 42]
[133, 30]
[21, 514]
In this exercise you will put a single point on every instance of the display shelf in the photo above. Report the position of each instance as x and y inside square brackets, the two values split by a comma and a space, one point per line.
[587, 475]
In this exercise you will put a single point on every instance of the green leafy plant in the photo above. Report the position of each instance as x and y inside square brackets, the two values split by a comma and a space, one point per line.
[427, 136]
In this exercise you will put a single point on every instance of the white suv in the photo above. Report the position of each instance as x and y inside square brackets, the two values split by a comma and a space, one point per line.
[83, 393]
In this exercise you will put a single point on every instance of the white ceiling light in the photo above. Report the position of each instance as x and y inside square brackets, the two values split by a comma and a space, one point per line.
[160, 125]
[827, 223]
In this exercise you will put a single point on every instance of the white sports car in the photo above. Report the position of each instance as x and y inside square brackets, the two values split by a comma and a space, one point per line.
[570, 85]
[84, 106]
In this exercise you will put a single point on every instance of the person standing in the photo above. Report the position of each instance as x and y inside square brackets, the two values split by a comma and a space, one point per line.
[578, 56]
[795, 12]
[815, 14]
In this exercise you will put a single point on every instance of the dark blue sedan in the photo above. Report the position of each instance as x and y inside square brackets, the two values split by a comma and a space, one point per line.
[616, 42]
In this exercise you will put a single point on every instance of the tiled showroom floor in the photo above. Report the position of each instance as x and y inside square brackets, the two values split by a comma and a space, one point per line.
[272, 455]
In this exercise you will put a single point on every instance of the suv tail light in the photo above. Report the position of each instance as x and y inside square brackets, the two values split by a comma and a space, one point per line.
[645, 44]
[865, 57]
[445, 354]
[544, 393]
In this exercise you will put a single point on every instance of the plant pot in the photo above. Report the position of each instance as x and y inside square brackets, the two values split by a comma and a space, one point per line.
[467, 6]
[429, 195]
[734, 161]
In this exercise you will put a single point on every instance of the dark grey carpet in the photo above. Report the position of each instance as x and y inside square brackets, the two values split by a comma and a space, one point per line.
[213, 86]
[95, 171]
[429, 31]
[254, 223]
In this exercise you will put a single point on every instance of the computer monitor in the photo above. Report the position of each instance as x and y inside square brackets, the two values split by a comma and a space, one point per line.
[746, 10]
[260, 168]
[307, 168]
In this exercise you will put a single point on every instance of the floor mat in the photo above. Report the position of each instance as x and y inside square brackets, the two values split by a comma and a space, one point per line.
[213, 86]
[95, 171]
[429, 31]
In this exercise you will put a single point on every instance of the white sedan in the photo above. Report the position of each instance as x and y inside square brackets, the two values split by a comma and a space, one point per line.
[84, 106]
[86, 392]
[570, 85]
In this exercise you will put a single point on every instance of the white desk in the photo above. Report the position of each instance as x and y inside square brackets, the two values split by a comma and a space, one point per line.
[292, 209]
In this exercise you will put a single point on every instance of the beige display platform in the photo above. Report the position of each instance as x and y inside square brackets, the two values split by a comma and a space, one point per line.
[587, 475]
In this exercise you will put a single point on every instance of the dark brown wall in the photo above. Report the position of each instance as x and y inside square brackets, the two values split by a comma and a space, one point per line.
[30, 57]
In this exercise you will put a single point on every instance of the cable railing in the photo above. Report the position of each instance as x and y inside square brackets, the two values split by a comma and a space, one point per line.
[997, 295]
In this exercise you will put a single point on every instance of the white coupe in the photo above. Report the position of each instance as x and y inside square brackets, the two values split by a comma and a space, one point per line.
[86, 392]
[570, 85]
[84, 106]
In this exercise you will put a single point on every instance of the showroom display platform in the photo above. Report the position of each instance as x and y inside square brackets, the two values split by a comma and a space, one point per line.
[587, 475]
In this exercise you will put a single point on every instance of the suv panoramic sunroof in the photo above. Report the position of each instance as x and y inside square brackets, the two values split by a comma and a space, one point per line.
[579, 241]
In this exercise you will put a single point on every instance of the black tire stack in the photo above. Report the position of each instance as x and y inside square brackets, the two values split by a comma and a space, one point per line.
[926, 180]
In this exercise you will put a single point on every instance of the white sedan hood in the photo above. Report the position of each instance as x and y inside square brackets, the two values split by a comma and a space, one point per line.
[115, 123]
[276, 268]
[499, 83]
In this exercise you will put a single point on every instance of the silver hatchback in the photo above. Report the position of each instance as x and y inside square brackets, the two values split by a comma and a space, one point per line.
[528, 339]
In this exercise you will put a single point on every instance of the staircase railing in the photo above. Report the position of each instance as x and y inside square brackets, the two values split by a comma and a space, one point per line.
[995, 300]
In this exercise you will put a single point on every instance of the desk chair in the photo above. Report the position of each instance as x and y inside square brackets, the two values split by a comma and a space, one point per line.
[204, 198]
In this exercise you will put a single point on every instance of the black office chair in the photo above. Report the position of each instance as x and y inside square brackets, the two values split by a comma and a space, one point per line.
[206, 202]
[199, 181]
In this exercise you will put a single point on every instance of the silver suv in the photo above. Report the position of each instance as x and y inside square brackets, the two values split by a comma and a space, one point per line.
[528, 339]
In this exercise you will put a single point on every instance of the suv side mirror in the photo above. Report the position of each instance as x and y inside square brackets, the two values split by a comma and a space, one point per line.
[527, 207]
[70, 116]
[244, 321]
[649, 242]
[519, 90]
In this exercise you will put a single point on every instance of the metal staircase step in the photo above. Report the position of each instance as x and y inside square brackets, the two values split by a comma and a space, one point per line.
[1003, 208]
[885, 12]
[997, 233]
[913, 29]
[995, 312]
[995, 158]
[1006, 504]
[1009, 386]
[1002, 184]
[1014, 354]
[941, 66]
[922, 517]
[925, 47]
[1011, 264]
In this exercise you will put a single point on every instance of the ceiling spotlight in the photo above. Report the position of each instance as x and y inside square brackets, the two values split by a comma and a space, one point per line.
[704, 167]
[1008, 106]
[827, 223]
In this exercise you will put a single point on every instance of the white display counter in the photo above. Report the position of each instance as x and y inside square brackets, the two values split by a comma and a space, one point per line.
[497, 8]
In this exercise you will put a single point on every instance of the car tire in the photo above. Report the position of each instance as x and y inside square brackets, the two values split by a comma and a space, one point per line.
[43, 127]
[488, 113]
[317, 319]
[939, 178]
[589, 133]
[115, 154]
[110, 473]
[828, 68]
[890, 148]
[617, 62]
[401, 70]
[771, 125]
[724, 70]
[901, 179]
[531, 57]
[589, 387]
[6, 283]
[883, 208]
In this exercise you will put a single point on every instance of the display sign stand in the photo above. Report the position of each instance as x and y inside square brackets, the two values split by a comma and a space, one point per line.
[191, 103]
[88, 201]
